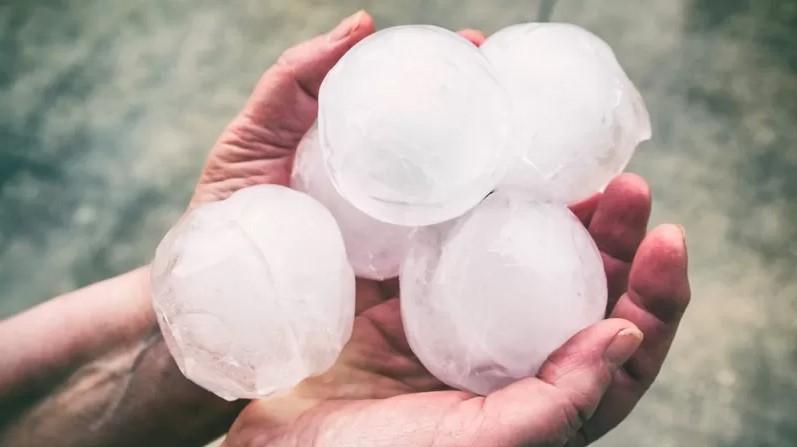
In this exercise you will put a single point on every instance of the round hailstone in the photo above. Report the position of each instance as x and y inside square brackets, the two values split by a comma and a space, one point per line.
[375, 248]
[414, 125]
[577, 118]
[253, 294]
[486, 298]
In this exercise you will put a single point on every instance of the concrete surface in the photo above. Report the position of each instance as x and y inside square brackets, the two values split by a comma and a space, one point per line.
[107, 108]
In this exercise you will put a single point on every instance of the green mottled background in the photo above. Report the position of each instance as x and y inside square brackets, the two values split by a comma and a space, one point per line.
[107, 108]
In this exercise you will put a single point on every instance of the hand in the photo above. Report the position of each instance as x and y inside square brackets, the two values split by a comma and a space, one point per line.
[378, 393]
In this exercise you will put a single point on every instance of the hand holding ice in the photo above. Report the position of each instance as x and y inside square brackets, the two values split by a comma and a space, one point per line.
[577, 118]
[253, 294]
[486, 298]
[414, 125]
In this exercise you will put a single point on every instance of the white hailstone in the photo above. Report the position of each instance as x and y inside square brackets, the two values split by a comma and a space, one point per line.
[375, 248]
[486, 298]
[253, 294]
[414, 125]
[577, 118]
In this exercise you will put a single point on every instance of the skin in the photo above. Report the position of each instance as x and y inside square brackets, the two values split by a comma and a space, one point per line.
[90, 368]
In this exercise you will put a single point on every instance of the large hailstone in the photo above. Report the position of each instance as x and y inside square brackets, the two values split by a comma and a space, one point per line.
[375, 248]
[414, 125]
[253, 294]
[486, 298]
[577, 118]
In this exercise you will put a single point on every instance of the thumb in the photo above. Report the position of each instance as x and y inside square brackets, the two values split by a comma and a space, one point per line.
[285, 97]
[257, 146]
[552, 407]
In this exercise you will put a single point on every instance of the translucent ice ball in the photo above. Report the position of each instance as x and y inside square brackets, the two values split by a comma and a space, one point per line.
[577, 118]
[253, 294]
[414, 125]
[375, 248]
[486, 298]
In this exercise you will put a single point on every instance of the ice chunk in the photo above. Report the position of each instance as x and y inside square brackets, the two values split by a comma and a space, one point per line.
[486, 298]
[253, 294]
[375, 248]
[414, 125]
[577, 118]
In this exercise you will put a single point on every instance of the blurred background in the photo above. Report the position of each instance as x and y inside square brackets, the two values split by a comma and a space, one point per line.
[107, 109]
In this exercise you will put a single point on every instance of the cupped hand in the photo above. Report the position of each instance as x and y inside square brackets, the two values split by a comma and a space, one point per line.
[378, 393]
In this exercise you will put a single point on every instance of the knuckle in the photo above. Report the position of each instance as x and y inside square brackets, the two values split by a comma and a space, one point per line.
[287, 60]
[574, 416]
[567, 417]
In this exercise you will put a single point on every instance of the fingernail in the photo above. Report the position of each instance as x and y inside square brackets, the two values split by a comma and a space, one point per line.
[623, 346]
[345, 27]
[683, 238]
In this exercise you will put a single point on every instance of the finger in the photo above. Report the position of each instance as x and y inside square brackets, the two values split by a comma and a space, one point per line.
[257, 146]
[621, 218]
[657, 297]
[618, 226]
[551, 408]
[299, 71]
[585, 209]
[475, 36]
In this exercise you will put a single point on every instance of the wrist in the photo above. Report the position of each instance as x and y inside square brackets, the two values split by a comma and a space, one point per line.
[91, 368]
[58, 336]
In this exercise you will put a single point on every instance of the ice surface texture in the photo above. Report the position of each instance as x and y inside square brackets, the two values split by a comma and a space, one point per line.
[253, 294]
[414, 125]
[375, 248]
[577, 118]
[486, 298]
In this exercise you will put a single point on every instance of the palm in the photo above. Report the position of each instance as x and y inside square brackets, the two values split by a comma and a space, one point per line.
[378, 361]
[378, 393]
[377, 376]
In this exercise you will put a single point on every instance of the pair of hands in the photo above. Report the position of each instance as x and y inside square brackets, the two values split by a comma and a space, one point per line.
[378, 393]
